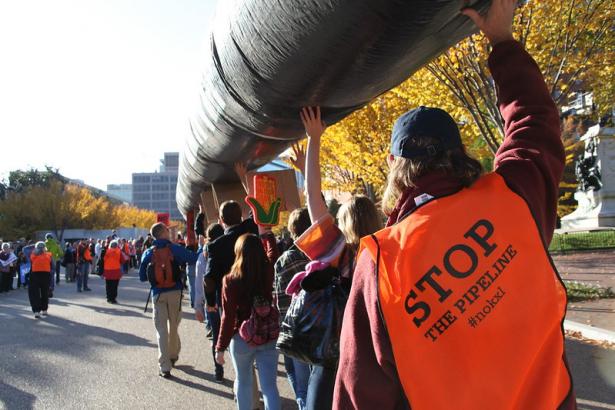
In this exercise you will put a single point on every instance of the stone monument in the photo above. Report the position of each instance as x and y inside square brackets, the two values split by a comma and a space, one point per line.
[595, 170]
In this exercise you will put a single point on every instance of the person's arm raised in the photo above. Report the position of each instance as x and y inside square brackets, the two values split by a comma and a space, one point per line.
[314, 128]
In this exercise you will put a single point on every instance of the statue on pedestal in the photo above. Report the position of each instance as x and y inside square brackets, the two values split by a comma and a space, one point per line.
[595, 171]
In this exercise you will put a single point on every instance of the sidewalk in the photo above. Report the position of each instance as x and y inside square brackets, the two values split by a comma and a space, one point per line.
[594, 268]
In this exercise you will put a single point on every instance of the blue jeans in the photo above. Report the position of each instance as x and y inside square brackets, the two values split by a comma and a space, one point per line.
[298, 374]
[320, 388]
[58, 264]
[213, 318]
[266, 357]
[82, 278]
[191, 272]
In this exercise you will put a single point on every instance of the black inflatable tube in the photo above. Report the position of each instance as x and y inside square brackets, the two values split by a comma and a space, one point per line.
[269, 58]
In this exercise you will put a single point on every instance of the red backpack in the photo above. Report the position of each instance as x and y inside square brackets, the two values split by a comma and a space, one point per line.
[263, 325]
[161, 271]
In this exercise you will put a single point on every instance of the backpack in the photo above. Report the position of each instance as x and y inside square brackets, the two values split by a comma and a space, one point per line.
[161, 271]
[263, 325]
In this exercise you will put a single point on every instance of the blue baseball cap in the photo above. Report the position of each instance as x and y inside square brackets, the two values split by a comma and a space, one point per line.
[424, 122]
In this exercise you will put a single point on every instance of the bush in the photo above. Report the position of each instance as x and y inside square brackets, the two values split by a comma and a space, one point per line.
[582, 240]
[578, 291]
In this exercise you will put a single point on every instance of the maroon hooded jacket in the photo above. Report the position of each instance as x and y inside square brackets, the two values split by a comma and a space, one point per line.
[531, 161]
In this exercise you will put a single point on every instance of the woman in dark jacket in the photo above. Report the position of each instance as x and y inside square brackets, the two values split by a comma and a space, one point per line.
[68, 261]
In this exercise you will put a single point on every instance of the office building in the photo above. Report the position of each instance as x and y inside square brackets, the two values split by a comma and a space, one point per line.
[123, 192]
[156, 190]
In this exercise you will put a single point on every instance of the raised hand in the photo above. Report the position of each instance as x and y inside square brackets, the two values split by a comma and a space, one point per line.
[314, 126]
[497, 23]
[298, 158]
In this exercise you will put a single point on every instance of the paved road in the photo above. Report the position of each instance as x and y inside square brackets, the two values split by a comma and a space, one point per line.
[88, 354]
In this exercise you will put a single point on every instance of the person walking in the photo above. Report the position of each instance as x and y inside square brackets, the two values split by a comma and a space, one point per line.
[331, 244]
[112, 262]
[290, 263]
[8, 264]
[38, 287]
[214, 231]
[84, 263]
[139, 251]
[456, 302]
[25, 265]
[250, 279]
[68, 261]
[98, 248]
[160, 266]
[220, 259]
[56, 252]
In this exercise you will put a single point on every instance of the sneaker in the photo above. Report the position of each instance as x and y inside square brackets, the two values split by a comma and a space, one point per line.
[219, 377]
[44, 313]
[165, 375]
[37, 315]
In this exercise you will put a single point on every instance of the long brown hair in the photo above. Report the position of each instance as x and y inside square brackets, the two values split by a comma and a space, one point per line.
[357, 218]
[404, 173]
[250, 266]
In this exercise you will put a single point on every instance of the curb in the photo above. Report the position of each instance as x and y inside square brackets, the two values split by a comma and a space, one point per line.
[590, 332]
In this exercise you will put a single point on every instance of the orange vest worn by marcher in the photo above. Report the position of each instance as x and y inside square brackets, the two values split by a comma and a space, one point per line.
[472, 303]
[42, 262]
[87, 255]
[112, 259]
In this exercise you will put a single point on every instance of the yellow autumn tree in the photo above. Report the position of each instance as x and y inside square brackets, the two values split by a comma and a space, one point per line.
[126, 215]
[572, 41]
[55, 206]
[58, 206]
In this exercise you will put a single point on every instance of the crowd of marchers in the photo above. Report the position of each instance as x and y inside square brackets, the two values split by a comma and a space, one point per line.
[38, 266]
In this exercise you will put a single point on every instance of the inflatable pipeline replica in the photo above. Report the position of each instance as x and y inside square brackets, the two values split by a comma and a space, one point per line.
[269, 58]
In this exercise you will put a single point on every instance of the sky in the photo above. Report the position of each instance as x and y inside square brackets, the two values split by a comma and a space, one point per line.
[98, 88]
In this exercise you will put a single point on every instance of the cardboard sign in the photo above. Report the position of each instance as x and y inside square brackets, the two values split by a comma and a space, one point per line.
[265, 203]
[286, 190]
[164, 217]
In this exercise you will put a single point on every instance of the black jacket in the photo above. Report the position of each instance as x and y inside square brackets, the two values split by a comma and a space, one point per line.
[69, 256]
[220, 259]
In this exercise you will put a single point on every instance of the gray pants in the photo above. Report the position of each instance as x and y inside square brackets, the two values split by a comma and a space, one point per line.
[167, 315]
[70, 272]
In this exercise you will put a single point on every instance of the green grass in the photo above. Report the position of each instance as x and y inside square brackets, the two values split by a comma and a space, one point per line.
[579, 291]
[583, 240]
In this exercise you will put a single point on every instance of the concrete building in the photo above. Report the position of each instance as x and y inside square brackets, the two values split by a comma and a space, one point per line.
[123, 192]
[156, 190]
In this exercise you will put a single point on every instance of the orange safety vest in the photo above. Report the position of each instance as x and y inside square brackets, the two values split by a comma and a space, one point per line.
[42, 262]
[112, 259]
[472, 303]
[87, 255]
